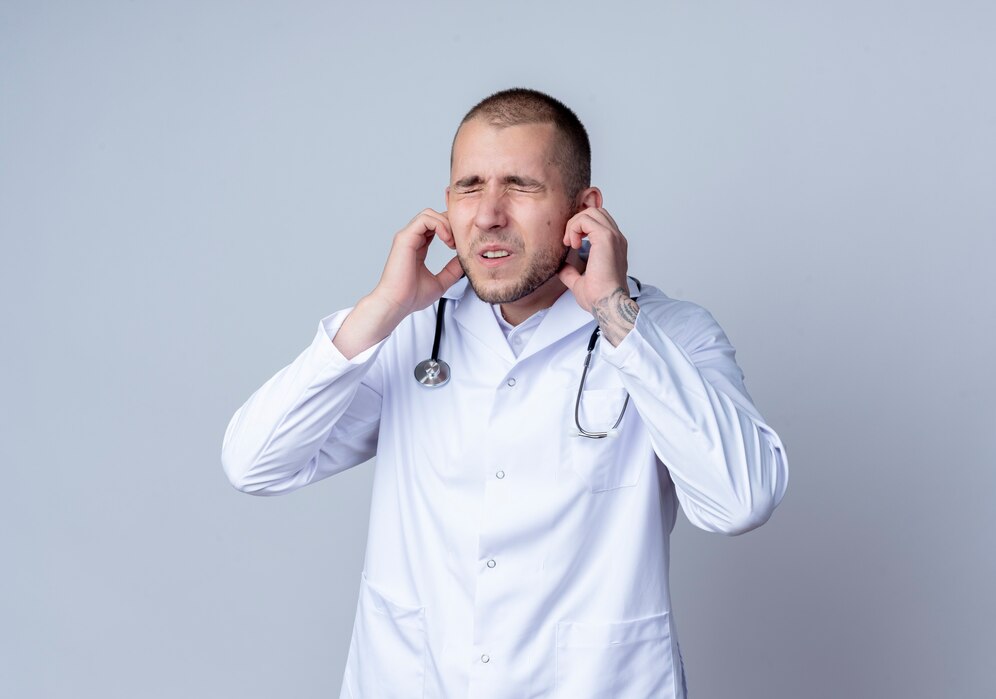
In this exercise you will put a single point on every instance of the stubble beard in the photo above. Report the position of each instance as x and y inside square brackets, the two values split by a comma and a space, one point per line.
[542, 268]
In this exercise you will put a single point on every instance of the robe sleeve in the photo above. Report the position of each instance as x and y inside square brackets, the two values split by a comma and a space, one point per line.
[728, 466]
[316, 417]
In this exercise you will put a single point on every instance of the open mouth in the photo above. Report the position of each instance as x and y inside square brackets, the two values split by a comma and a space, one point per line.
[495, 254]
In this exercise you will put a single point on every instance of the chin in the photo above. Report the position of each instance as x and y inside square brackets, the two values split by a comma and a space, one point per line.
[493, 291]
[537, 273]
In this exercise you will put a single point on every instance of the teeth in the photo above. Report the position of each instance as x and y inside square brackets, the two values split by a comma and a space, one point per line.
[492, 254]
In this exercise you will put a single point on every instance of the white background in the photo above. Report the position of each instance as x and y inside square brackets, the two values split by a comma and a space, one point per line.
[186, 188]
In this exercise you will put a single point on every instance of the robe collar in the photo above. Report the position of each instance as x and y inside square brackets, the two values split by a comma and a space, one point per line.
[476, 317]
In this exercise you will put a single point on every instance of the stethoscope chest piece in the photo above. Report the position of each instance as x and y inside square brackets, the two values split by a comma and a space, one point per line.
[432, 372]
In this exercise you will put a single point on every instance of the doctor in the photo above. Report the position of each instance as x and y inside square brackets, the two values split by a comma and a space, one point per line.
[508, 555]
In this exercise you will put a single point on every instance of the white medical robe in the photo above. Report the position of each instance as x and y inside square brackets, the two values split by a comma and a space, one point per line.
[506, 557]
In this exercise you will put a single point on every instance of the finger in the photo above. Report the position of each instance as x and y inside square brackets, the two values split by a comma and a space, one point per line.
[450, 274]
[583, 225]
[599, 216]
[569, 237]
[573, 231]
[599, 228]
[414, 237]
[612, 221]
[425, 225]
[446, 233]
[438, 224]
[604, 218]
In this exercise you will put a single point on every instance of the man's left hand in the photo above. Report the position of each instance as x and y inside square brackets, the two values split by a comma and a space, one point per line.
[602, 288]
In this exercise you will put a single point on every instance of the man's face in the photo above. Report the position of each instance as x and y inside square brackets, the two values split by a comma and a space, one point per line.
[507, 208]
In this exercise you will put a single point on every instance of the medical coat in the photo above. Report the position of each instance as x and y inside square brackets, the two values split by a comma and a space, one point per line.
[507, 557]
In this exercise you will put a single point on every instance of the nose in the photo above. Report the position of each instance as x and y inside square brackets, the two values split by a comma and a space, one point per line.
[490, 209]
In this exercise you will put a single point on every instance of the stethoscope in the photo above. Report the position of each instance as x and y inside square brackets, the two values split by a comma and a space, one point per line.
[434, 372]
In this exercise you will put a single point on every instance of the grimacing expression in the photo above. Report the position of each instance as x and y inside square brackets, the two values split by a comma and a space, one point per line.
[508, 208]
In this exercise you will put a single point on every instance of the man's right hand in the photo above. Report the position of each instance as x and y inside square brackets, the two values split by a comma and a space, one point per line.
[405, 286]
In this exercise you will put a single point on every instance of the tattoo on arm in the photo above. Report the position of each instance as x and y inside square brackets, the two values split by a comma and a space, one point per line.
[616, 315]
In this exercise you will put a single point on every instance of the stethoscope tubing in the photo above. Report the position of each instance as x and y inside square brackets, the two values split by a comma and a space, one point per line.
[434, 372]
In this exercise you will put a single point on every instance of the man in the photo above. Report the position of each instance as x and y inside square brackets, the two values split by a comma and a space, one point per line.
[518, 541]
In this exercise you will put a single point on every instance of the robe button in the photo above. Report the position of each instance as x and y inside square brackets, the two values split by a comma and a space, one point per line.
[511, 382]
[500, 474]
[485, 658]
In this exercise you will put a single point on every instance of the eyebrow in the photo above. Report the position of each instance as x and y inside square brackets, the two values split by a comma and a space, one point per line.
[471, 181]
[517, 180]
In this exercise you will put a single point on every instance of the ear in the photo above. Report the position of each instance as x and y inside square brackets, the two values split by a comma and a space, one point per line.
[452, 244]
[590, 198]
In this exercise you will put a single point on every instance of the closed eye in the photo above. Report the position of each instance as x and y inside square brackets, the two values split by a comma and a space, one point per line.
[523, 184]
[468, 184]
[517, 183]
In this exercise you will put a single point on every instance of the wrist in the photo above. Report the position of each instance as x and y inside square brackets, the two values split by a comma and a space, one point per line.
[381, 312]
[616, 314]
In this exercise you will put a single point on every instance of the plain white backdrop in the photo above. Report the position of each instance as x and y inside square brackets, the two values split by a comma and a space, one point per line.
[186, 188]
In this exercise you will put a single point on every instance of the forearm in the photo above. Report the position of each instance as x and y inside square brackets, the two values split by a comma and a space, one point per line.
[370, 321]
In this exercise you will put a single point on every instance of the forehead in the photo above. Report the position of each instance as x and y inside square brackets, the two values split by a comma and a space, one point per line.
[484, 149]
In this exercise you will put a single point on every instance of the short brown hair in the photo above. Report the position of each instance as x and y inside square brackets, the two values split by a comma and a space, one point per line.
[520, 105]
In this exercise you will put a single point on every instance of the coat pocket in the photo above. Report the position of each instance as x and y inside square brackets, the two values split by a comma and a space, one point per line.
[387, 651]
[597, 461]
[613, 660]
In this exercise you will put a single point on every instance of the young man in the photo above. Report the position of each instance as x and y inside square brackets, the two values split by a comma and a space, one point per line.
[519, 527]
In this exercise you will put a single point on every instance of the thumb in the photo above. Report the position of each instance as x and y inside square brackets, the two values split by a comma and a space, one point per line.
[569, 276]
[450, 274]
